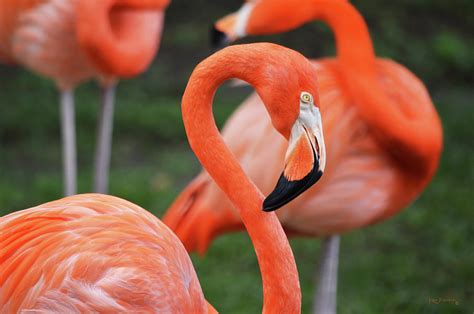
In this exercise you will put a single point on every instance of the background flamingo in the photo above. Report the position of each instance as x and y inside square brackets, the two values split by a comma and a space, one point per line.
[384, 139]
[94, 252]
[73, 41]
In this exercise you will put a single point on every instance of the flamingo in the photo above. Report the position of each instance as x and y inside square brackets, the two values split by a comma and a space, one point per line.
[73, 41]
[100, 253]
[384, 140]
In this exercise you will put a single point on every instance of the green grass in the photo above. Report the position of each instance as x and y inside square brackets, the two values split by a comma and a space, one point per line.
[394, 267]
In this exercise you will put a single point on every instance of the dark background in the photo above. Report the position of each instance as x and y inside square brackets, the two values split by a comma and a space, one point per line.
[424, 253]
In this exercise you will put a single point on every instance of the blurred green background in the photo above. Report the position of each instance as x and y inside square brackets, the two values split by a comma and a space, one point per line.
[395, 267]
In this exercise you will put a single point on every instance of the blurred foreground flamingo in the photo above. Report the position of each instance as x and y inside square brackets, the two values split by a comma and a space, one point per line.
[73, 41]
[98, 253]
[383, 136]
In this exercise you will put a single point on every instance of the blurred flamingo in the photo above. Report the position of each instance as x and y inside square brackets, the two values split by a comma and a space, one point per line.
[99, 253]
[384, 140]
[73, 41]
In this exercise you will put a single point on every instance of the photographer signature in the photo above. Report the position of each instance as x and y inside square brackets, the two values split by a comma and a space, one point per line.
[443, 300]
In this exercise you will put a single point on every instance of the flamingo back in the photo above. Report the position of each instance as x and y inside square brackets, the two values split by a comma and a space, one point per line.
[94, 253]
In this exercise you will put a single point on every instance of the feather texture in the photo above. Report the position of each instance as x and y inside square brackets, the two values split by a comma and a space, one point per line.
[94, 253]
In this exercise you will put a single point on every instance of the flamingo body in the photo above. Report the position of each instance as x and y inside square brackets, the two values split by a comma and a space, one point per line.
[363, 182]
[94, 253]
[393, 144]
[77, 40]
[45, 37]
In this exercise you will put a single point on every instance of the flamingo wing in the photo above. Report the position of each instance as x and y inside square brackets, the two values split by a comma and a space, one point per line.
[94, 253]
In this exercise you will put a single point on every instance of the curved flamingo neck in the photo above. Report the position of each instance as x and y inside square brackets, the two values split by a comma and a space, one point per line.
[281, 288]
[353, 43]
[120, 37]
[415, 139]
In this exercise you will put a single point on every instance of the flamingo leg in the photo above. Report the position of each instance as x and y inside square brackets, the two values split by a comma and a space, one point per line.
[326, 293]
[68, 133]
[104, 141]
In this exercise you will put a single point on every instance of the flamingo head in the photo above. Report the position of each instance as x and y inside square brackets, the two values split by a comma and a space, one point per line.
[260, 17]
[286, 82]
[305, 158]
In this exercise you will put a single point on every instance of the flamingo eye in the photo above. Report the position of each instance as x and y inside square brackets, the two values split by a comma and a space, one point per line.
[306, 97]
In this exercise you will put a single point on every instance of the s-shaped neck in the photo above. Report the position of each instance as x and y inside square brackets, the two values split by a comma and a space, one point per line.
[281, 287]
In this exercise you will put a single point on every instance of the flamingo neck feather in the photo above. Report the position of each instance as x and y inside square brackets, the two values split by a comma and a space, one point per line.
[281, 290]
[120, 37]
[414, 139]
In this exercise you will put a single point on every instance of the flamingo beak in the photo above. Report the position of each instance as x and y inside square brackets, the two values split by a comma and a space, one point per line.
[219, 39]
[305, 158]
[231, 27]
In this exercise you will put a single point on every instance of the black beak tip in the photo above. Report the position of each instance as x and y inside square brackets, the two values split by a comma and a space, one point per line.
[286, 191]
[269, 206]
[218, 39]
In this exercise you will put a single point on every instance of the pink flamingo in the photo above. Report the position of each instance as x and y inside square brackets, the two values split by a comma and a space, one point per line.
[74, 41]
[384, 140]
[99, 253]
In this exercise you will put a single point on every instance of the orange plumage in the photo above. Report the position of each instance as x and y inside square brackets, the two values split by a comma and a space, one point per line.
[77, 40]
[72, 41]
[98, 253]
[382, 132]
[94, 253]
